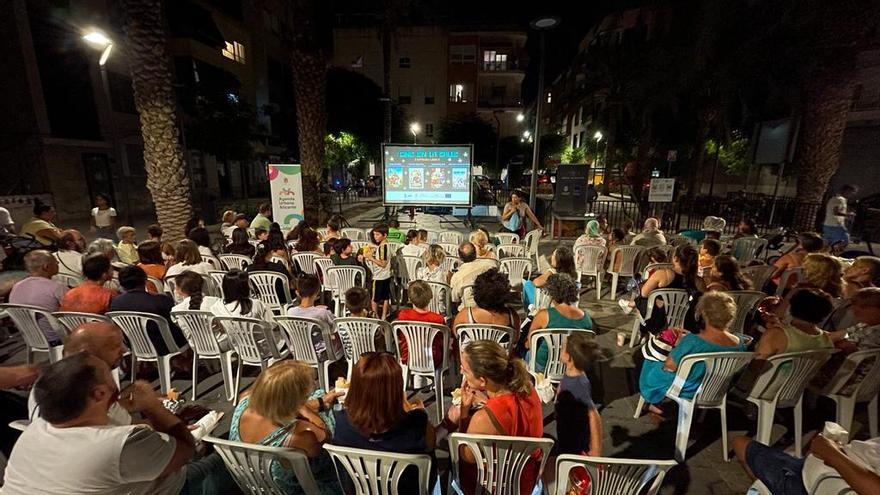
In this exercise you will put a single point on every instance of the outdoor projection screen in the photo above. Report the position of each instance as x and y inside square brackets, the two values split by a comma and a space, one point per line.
[427, 175]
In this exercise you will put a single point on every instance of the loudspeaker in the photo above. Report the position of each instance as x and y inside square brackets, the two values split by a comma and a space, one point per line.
[571, 189]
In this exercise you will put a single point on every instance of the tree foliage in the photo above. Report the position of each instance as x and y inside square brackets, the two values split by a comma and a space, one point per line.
[471, 129]
[346, 150]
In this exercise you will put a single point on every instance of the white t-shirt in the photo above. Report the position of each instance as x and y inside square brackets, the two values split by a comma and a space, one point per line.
[103, 217]
[111, 460]
[205, 251]
[380, 252]
[70, 263]
[201, 268]
[258, 310]
[437, 275]
[413, 250]
[832, 219]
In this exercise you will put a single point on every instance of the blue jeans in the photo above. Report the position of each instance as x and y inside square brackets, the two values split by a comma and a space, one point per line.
[834, 234]
[780, 472]
[208, 475]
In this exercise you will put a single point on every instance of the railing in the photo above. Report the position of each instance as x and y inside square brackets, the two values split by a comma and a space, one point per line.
[499, 102]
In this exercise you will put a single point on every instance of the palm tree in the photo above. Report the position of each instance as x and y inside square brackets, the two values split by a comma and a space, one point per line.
[156, 105]
[308, 61]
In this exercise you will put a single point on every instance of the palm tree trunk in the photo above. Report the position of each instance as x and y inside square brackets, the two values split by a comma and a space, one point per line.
[156, 105]
[310, 85]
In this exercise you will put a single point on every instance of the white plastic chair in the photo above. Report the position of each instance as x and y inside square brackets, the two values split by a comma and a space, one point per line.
[781, 386]
[480, 331]
[171, 289]
[591, 262]
[449, 248]
[157, 283]
[500, 461]
[789, 278]
[358, 246]
[419, 338]
[653, 267]
[629, 255]
[847, 389]
[409, 266]
[511, 250]
[238, 261]
[264, 285]
[198, 326]
[542, 298]
[450, 263]
[746, 249]
[305, 262]
[213, 261]
[517, 270]
[441, 299]
[251, 466]
[612, 476]
[553, 338]
[507, 238]
[73, 319]
[675, 302]
[217, 280]
[322, 233]
[254, 342]
[450, 237]
[359, 335]
[531, 241]
[354, 234]
[745, 301]
[681, 240]
[135, 326]
[321, 264]
[433, 237]
[759, 275]
[720, 369]
[343, 278]
[298, 332]
[25, 318]
[378, 473]
[67, 280]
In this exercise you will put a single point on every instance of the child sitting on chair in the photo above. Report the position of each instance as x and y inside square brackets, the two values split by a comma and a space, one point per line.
[420, 296]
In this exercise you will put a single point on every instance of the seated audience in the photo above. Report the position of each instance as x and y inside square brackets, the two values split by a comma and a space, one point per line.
[510, 407]
[651, 234]
[562, 313]
[13, 407]
[824, 272]
[725, 275]
[394, 233]
[709, 249]
[240, 243]
[308, 288]
[226, 220]
[136, 298]
[71, 247]
[864, 272]
[283, 409]
[655, 255]
[74, 396]
[190, 287]
[420, 296]
[357, 303]
[237, 299]
[342, 253]
[193, 222]
[202, 238]
[126, 250]
[682, 275]
[40, 226]
[808, 307]
[39, 290]
[746, 228]
[334, 228]
[592, 236]
[615, 239]
[155, 232]
[261, 234]
[377, 415]
[484, 248]
[490, 291]
[858, 463]
[628, 234]
[471, 267]
[188, 259]
[102, 247]
[151, 262]
[578, 424]
[413, 245]
[263, 261]
[91, 296]
[308, 242]
[561, 261]
[432, 265]
[717, 311]
[808, 242]
[262, 220]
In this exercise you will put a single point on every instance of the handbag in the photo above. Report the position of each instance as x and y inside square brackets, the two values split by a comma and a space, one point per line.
[658, 346]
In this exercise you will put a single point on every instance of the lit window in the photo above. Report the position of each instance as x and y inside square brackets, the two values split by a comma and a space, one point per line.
[492, 60]
[549, 97]
[403, 62]
[429, 130]
[234, 51]
[459, 93]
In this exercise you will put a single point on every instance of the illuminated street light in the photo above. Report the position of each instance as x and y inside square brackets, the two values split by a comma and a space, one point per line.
[415, 128]
[526, 133]
[100, 41]
[520, 117]
[597, 136]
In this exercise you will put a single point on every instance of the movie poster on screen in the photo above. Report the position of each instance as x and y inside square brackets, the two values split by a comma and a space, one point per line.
[285, 184]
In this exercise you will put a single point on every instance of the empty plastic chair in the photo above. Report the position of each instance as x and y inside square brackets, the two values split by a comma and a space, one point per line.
[747, 249]
[507, 238]
[517, 270]
[856, 381]
[27, 319]
[354, 234]
[745, 302]
[238, 261]
[531, 242]
[305, 262]
[450, 237]
[198, 326]
[253, 341]
[266, 287]
[310, 341]
[67, 280]
[73, 319]
[512, 250]
[441, 300]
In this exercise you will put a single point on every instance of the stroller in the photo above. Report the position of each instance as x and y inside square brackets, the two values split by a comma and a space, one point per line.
[15, 247]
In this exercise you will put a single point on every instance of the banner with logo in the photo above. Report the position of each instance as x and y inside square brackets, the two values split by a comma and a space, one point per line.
[285, 186]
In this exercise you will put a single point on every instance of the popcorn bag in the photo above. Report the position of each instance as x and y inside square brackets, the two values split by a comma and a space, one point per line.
[544, 387]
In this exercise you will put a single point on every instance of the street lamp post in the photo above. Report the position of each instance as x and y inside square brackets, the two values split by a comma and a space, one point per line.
[414, 128]
[541, 25]
[100, 41]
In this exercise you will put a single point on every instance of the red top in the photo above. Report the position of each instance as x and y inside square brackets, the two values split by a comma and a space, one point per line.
[427, 317]
[517, 416]
[88, 297]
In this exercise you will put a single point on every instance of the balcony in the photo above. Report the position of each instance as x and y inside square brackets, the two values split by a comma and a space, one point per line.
[501, 66]
[499, 102]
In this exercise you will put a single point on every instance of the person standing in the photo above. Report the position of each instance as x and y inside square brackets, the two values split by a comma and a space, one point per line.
[263, 220]
[103, 217]
[836, 214]
[514, 215]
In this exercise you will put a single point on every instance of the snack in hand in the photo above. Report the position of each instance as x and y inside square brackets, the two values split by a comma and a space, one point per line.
[172, 394]
[456, 397]
[539, 377]
[341, 383]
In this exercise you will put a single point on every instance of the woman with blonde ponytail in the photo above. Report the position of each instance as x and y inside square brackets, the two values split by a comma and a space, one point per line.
[511, 406]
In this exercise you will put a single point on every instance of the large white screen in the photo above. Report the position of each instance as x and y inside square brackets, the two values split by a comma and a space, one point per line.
[427, 175]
